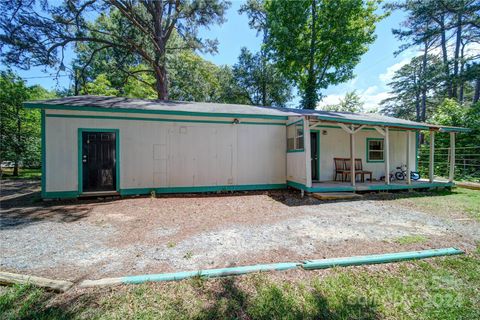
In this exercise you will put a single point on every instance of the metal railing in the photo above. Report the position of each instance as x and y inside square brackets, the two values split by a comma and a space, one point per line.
[467, 162]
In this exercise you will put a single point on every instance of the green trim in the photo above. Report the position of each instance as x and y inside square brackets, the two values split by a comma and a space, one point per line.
[44, 164]
[406, 186]
[60, 195]
[318, 151]
[157, 119]
[295, 150]
[370, 188]
[201, 189]
[301, 186]
[455, 129]
[169, 112]
[295, 139]
[368, 149]
[80, 152]
[372, 123]
[291, 124]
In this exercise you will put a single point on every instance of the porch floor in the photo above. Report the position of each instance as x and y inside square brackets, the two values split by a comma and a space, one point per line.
[336, 186]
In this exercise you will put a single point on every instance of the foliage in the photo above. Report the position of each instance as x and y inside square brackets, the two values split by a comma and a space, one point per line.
[450, 113]
[350, 103]
[101, 86]
[410, 84]
[447, 25]
[23, 174]
[37, 33]
[260, 80]
[318, 42]
[19, 127]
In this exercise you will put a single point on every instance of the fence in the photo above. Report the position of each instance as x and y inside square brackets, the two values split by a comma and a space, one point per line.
[467, 162]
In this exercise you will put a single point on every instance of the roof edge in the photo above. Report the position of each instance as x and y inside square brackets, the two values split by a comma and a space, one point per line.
[37, 105]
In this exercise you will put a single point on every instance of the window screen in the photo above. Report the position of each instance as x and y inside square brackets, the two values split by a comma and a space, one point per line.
[375, 150]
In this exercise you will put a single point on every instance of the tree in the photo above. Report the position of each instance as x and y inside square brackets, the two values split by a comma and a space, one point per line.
[261, 81]
[259, 77]
[352, 102]
[436, 24]
[37, 33]
[100, 87]
[317, 43]
[415, 90]
[19, 127]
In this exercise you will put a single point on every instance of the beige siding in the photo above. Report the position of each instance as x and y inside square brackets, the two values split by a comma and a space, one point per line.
[336, 143]
[296, 167]
[172, 154]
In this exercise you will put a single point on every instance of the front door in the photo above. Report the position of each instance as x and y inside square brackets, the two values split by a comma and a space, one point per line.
[98, 161]
[314, 154]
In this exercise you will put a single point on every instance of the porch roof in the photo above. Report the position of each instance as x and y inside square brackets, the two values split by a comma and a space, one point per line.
[121, 104]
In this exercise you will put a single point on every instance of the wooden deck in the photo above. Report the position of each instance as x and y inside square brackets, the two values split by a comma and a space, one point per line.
[338, 186]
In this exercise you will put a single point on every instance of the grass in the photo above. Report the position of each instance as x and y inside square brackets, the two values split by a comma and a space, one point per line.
[22, 174]
[444, 202]
[440, 288]
[411, 239]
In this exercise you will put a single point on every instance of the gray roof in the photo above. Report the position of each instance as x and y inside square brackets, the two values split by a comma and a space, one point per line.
[121, 104]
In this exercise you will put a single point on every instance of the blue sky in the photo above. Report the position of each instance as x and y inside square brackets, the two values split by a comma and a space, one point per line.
[372, 73]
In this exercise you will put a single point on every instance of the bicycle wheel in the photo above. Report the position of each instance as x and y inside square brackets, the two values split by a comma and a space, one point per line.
[399, 175]
[414, 175]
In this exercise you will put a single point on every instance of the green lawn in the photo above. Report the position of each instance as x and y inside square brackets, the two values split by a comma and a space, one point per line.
[459, 201]
[440, 288]
[22, 173]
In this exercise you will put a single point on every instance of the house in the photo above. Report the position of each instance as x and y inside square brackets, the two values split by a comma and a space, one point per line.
[95, 145]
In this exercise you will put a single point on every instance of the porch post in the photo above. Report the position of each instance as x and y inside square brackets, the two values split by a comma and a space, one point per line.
[352, 155]
[386, 156]
[452, 157]
[409, 166]
[432, 153]
[308, 154]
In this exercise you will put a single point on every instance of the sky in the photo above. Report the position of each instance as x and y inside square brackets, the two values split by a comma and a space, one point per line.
[372, 74]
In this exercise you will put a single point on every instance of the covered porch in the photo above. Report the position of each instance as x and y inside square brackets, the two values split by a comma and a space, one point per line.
[379, 148]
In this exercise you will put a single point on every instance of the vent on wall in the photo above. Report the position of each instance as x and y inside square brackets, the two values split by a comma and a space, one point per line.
[324, 132]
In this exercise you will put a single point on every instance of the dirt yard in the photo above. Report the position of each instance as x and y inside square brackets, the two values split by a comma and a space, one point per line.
[113, 237]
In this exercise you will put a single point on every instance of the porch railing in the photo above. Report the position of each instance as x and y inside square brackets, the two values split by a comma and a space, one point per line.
[467, 162]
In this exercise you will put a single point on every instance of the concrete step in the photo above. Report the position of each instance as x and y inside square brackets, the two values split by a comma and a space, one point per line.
[336, 195]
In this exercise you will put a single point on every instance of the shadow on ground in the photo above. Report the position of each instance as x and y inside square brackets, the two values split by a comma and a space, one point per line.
[189, 300]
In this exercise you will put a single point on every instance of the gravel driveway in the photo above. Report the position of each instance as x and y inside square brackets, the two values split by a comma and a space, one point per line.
[113, 237]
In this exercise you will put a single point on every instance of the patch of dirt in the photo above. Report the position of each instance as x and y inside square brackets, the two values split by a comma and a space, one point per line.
[107, 238]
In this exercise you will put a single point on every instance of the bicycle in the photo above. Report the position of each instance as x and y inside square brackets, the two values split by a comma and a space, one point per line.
[401, 174]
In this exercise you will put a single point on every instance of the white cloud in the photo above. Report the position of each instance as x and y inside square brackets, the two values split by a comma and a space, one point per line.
[371, 97]
[387, 76]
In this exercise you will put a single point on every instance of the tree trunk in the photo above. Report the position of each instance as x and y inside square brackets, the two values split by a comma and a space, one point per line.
[462, 70]
[18, 142]
[416, 77]
[161, 82]
[476, 96]
[443, 41]
[310, 98]
[457, 54]
[264, 77]
[424, 85]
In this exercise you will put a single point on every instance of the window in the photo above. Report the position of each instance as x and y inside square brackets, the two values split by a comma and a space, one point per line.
[375, 150]
[295, 137]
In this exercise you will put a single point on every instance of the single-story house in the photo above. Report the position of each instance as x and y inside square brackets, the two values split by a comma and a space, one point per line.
[94, 145]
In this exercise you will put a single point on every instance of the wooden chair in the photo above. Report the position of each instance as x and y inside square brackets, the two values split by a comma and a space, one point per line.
[339, 168]
[348, 169]
[359, 168]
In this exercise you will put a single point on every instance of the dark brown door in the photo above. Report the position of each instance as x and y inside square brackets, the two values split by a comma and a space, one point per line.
[98, 161]
[314, 154]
